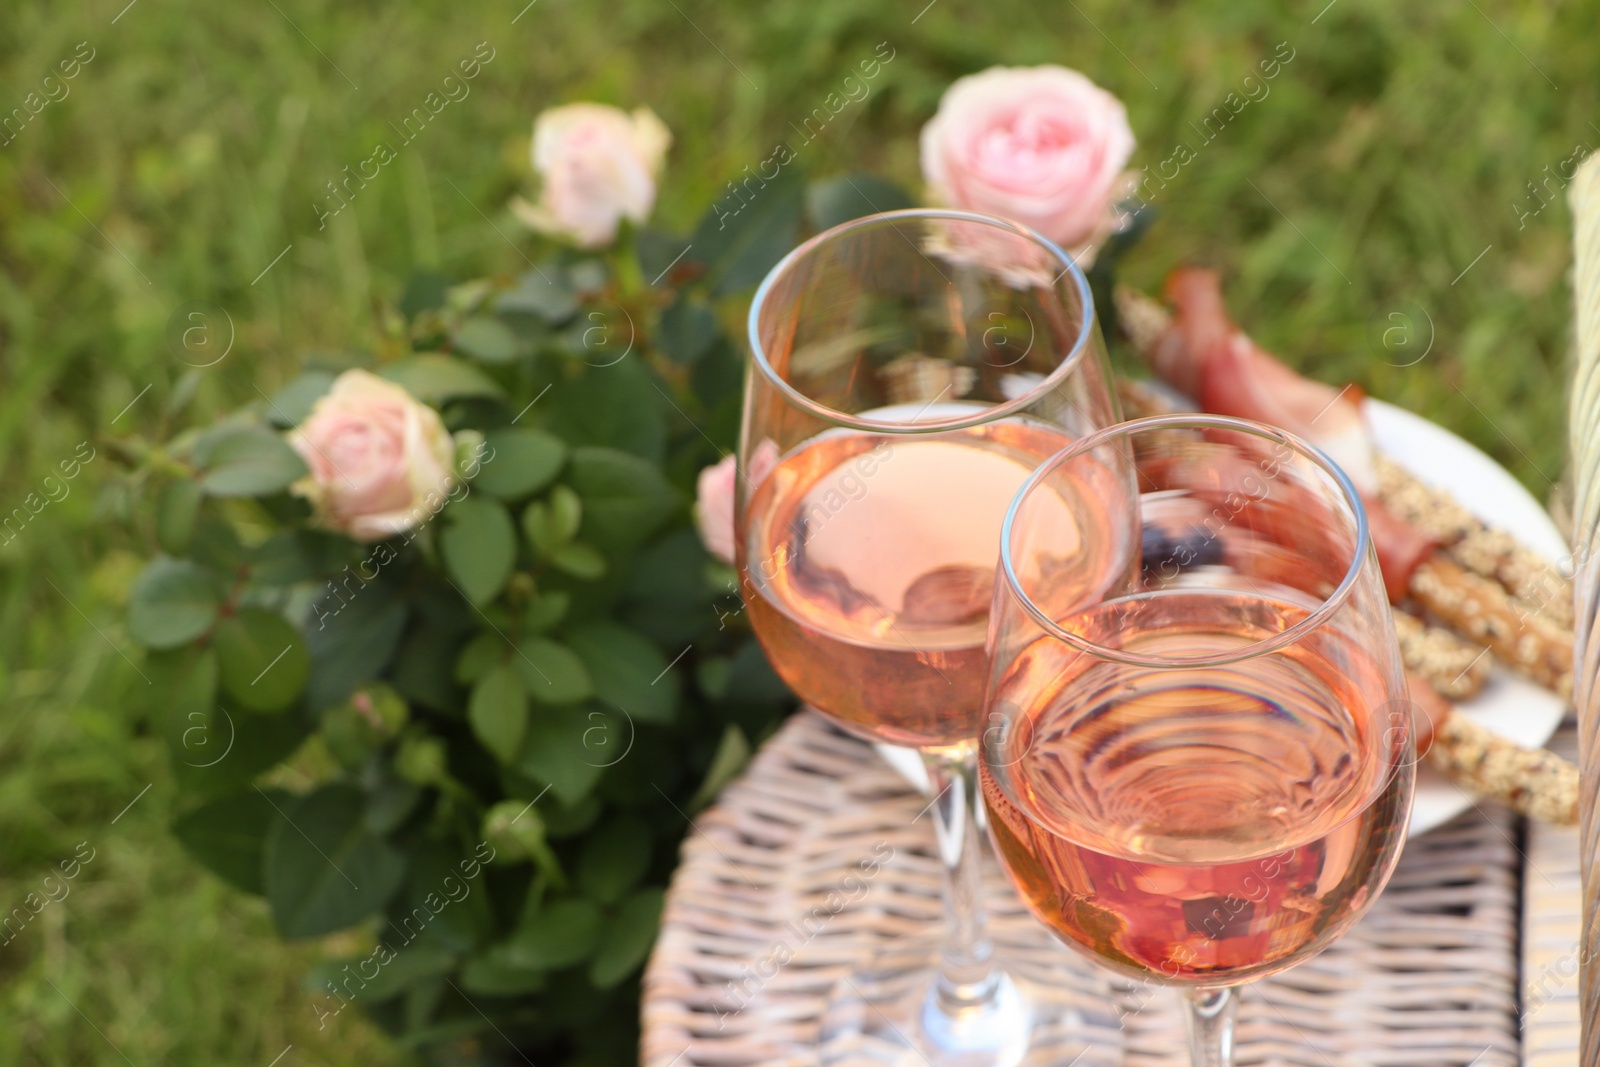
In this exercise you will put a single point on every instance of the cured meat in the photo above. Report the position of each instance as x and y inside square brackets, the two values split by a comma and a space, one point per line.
[1202, 353]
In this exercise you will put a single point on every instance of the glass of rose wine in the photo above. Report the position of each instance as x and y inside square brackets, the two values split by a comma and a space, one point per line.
[1205, 777]
[910, 370]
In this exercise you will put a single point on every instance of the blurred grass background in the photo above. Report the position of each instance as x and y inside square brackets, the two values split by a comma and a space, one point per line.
[1386, 173]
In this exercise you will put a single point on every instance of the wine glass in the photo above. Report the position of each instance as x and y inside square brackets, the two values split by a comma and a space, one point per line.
[1205, 777]
[910, 370]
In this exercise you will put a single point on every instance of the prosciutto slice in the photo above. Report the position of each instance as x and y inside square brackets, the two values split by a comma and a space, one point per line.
[1204, 355]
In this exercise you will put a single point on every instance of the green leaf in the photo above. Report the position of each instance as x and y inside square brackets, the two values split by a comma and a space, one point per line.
[659, 252]
[687, 330]
[173, 602]
[496, 974]
[292, 404]
[324, 869]
[351, 641]
[180, 679]
[263, 659]
[408, 965]
[544, 293]
[580, 561]
[536, 526]
[213, 750]
[614, 858]
[432, 378]
[425, 290]
[566, 513]
[228, 834]
[482, 653]
[519, 462]
[216, 545]
[175, 515]
[389, 804]
[549, 609]
[459, 910]
[625, 498]
[498, 711]
[259, 741]
[555, 753]
[751, 678]
[487, 339]
[559, 934]
[182, 394]
[740, 240]
[627, 939]
[562, 820]
[553, 673]
[629, 672]
[246, 461]
[424, 670]
[733, 752]
[672, 597]
[298, 555]
[479, 545]
[851, 196]
[619, 406]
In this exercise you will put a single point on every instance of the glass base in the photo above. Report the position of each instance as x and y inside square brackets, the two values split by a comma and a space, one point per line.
[1048, 1009]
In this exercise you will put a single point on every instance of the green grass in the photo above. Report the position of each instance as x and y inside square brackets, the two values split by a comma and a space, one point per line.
[1389, 154]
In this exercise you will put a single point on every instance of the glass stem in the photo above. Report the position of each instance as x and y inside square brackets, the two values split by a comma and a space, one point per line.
[1210, 1014]
[968, 978]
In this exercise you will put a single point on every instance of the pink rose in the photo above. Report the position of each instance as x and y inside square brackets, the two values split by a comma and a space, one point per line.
[599, 166]
[1043, 146]
[713, 509]
[715, 492]
[380, 461]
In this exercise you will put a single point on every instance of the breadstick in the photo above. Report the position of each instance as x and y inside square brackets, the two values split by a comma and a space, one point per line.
[1528, 576]
[1142, 318]
[1480, 609]
[1140, 401]
[1452, 667]
[1535, 782]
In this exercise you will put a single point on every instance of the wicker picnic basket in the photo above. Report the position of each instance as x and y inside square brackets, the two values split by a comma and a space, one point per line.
[1434, 975]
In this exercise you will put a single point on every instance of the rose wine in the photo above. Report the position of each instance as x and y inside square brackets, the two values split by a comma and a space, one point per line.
[869, 567]
[1201, 826]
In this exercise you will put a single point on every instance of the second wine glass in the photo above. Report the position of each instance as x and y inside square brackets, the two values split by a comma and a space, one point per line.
[909, 371]
[1204, 778]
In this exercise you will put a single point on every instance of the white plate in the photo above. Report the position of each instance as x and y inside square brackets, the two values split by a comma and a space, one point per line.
[1508, 705]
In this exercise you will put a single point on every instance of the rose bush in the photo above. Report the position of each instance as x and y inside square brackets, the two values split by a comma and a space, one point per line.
[430, 631]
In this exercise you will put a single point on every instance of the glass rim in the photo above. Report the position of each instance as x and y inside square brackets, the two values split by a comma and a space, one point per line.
[990, 412]
[1189, 420]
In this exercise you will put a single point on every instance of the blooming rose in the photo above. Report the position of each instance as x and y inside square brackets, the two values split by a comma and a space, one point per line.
[380, 461]
[1044, 146]
[599, 166]
[714, 497]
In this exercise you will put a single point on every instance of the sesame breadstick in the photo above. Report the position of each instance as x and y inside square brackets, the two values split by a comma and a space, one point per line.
[1481, 610]
[1528, 576]
[1535, 782]
[1452, 667]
